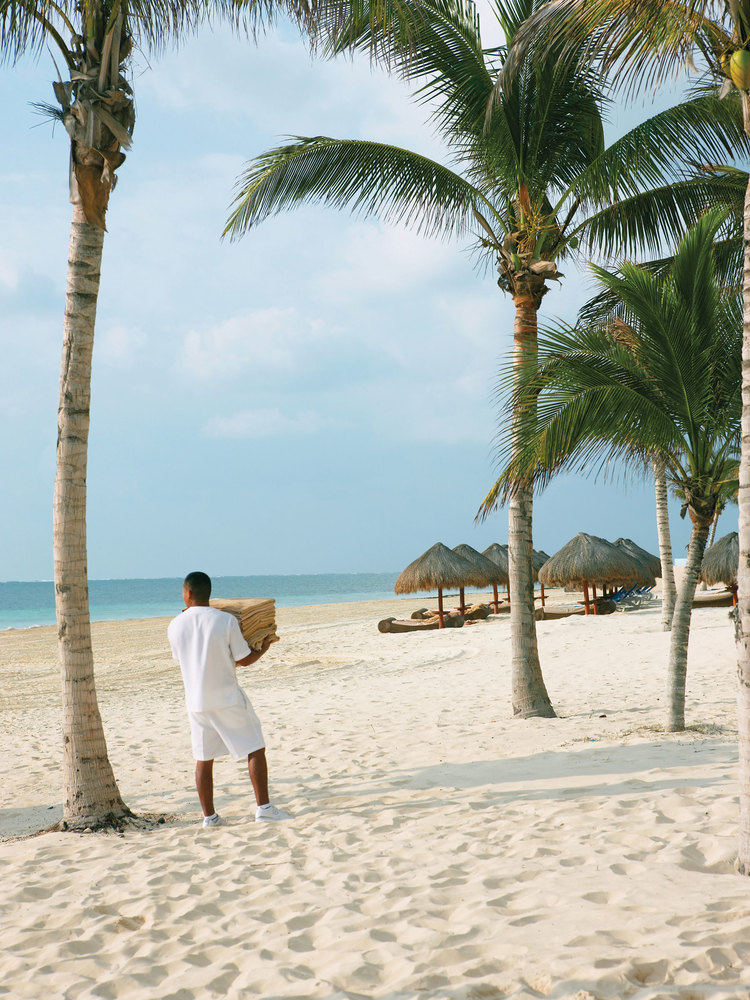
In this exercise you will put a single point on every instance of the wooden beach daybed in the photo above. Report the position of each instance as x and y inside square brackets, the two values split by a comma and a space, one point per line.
[713, 599]
[553, 612]
[477, 612]
[416, 625]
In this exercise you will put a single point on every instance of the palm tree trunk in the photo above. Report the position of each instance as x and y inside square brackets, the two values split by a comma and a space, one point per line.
[743, 576]
[91, 795]
[714, 526]
[678, 646]
[668, 589]
[529, 693]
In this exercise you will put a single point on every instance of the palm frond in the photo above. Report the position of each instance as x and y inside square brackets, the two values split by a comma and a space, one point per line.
[646, 41]
[384, 28]
[511, 14]
[562, 127]
[557, 110]
[669, 385]
[702, 130]
[433, 43]
[25, 25]
[605, 306]
[52, 112]
[646, 220]
[371, 179]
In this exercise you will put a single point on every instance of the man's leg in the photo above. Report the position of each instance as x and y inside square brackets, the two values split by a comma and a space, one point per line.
[204, 782]
[257, 768]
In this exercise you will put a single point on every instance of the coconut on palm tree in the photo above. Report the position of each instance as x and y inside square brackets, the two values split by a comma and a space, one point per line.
[669, 390]
[531, 182]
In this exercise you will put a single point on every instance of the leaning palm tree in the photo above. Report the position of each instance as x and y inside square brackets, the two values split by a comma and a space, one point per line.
[668, 390]
[95, 40]
[651, 40]
[531, 183]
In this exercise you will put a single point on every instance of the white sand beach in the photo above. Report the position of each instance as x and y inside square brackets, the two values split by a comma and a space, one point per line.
[439, 849]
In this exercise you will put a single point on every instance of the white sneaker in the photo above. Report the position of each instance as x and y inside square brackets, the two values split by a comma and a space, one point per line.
[265, 813]
[214, 820]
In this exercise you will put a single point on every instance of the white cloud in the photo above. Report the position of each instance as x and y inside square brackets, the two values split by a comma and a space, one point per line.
[261, 341]
[9, 276]
[307, 96]
[385, 260]
[121, 345]
[479, 318]
[264, 424]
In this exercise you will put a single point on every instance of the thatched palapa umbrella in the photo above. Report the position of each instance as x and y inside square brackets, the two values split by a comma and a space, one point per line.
[490, 572]
[498, 554]
[436, 568]
[721, 563]
[588, 559]
[650, 562]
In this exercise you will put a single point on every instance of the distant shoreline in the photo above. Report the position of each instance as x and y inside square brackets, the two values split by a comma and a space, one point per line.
[30, 604]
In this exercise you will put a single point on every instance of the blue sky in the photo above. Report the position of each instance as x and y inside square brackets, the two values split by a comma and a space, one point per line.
[315, 398]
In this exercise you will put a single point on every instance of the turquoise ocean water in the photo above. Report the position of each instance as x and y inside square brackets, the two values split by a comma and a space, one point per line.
[23, 605]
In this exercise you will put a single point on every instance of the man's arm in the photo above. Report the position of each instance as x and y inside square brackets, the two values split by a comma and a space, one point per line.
[254, 657]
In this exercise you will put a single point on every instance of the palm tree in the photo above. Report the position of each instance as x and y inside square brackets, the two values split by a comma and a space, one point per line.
[664, 389]
[652, 40]
[607, 308]
[730, 186]
[668, 589]
[532, 182]
[95, 40]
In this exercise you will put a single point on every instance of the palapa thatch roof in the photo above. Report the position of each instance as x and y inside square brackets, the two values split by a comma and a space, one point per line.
[590, 559]
[539, 558]
[721, 561]
[650, 562]
[498, 554]
[438, 567]
[491, 572]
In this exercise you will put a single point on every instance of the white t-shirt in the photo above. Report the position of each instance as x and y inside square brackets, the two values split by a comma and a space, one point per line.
[207, 643]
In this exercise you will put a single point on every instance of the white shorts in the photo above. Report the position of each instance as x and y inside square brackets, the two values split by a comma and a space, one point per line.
[234, 730]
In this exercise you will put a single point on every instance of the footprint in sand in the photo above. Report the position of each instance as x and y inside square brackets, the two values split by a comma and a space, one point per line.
[648, 973]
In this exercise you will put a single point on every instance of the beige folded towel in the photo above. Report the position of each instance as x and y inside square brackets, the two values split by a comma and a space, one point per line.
[256, 615]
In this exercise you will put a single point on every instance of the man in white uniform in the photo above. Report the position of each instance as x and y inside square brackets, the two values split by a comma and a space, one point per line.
[209, 646]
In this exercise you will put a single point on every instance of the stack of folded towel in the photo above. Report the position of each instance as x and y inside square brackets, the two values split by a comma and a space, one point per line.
[256, 615]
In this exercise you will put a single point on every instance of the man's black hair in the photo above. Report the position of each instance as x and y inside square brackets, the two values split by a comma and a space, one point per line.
[200, 584]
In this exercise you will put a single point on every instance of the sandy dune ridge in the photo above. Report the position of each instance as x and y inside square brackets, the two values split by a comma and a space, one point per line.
[440, 848]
